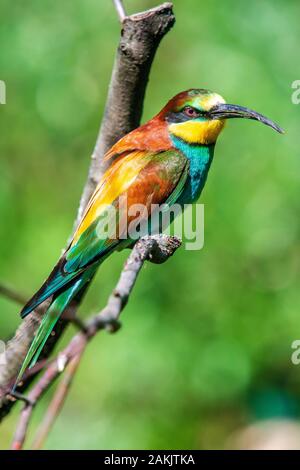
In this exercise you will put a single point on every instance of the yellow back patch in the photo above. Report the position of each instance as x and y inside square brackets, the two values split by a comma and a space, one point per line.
[198, 132]
[116, 180]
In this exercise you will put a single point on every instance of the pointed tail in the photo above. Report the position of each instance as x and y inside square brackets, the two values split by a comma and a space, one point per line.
[50, 319]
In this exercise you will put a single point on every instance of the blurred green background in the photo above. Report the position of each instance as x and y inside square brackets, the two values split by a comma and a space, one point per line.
[205, 348]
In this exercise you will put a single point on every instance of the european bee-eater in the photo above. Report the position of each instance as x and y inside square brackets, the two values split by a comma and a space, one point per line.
[165, 160]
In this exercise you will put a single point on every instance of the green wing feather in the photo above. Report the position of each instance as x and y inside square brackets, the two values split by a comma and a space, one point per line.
[81, 260]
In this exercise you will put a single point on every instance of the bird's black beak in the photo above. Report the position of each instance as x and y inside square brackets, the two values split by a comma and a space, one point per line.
[230, 111]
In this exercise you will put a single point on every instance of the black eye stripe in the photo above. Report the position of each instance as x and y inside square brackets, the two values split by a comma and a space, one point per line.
[181, 116]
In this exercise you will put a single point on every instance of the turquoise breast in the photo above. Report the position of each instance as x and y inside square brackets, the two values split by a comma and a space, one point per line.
[200, 158]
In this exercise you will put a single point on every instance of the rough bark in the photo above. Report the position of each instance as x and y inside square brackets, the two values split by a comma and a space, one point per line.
[141, 34]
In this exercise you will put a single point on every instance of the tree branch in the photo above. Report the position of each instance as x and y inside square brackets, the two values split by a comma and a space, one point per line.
[140, 36]
[156, 249]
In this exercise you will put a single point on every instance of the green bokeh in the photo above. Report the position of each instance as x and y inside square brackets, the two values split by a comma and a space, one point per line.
[206, 338]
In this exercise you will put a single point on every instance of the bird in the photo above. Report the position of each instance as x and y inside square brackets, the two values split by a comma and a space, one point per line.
[164, 161]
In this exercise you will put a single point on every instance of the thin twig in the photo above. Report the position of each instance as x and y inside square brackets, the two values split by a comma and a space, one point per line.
[156, 249]
[12, 294]
[57, 402]
[120, 9]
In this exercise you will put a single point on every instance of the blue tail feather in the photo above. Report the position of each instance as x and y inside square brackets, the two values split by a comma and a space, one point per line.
[55, 310]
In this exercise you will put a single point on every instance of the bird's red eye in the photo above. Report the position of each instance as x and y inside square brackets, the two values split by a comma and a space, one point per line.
[191, 112]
